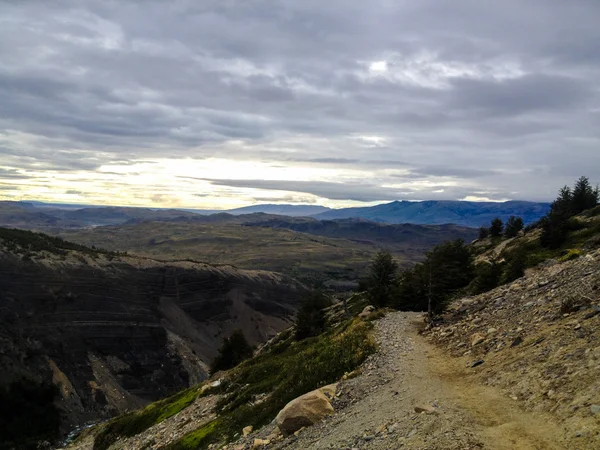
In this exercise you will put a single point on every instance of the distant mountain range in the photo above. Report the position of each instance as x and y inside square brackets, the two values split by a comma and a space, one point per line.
[470, 214]
[282, 210]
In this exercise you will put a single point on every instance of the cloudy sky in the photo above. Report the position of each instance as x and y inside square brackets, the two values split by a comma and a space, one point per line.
[222, 103]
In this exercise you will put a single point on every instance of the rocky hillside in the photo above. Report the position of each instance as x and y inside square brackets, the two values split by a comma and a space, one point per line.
[114, 331]
[538, 340]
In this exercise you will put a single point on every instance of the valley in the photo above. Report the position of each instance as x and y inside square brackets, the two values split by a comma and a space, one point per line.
[116, 331]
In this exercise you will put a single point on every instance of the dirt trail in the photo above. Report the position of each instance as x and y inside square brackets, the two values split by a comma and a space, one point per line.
[376, 409]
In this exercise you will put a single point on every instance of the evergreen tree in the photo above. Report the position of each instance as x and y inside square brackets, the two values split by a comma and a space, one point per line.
[555, 223]
[381, 281]
[487, 277]
[447, 268]
[311, 319]
[516, 263]
[496, 227]
[233, 351]
[429, 285]
[513, 226]
[584, 196]
[484, 232]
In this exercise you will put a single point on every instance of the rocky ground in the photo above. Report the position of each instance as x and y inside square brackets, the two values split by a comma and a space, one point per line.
[517, 368]
[537, 341]
[411, 396]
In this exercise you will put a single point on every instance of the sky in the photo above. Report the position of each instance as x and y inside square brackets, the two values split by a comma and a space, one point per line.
[220, 103]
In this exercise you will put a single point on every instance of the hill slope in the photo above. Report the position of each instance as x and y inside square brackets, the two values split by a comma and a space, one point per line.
[114, 331]
[309, 250]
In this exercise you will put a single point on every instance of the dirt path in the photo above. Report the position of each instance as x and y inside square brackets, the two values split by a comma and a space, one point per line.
[376, 410]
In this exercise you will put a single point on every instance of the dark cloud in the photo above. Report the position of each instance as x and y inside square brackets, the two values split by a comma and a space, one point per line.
[500, 98]
[337, 191]
[357, 191]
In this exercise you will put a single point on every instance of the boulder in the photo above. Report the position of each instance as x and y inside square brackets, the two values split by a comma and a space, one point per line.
[330, 390]
[303, 411]
[366, 311]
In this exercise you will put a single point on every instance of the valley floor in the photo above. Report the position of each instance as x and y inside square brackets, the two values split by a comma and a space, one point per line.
[376, 410]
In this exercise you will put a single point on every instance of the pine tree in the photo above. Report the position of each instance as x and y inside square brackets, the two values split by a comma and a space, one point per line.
[584, 196]
[233, 351]
[496, 227]
[516, 263]
[311, 319]
[513, 226]
[484, 232]
[382, 279]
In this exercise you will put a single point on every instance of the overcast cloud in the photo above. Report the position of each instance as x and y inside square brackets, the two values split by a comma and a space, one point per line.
[340, 102]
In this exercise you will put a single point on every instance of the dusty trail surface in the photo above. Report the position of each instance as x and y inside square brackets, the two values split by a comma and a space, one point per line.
[376, 410]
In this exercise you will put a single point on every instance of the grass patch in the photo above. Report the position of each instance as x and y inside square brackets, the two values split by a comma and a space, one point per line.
[571, 254]
[277, 377]
[136, 422]
[196, 439]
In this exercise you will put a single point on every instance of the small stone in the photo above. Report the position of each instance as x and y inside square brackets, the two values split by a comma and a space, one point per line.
[247, 430]
[595, 409]
[412, 433]
[577, 327]
[595, 311]
[258, 443]
[425, 409]
[477, 339]
[517, 341]
[297, 432]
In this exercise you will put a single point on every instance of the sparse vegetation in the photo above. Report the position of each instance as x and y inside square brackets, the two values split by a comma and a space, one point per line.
[278, 377]
[135, 422]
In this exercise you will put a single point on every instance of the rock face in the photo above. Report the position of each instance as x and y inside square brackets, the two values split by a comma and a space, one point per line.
[303, 411]
[115, 332]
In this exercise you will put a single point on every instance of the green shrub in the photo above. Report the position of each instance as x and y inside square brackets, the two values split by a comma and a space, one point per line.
[571, 254]
[303, 366]
[134, 423]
